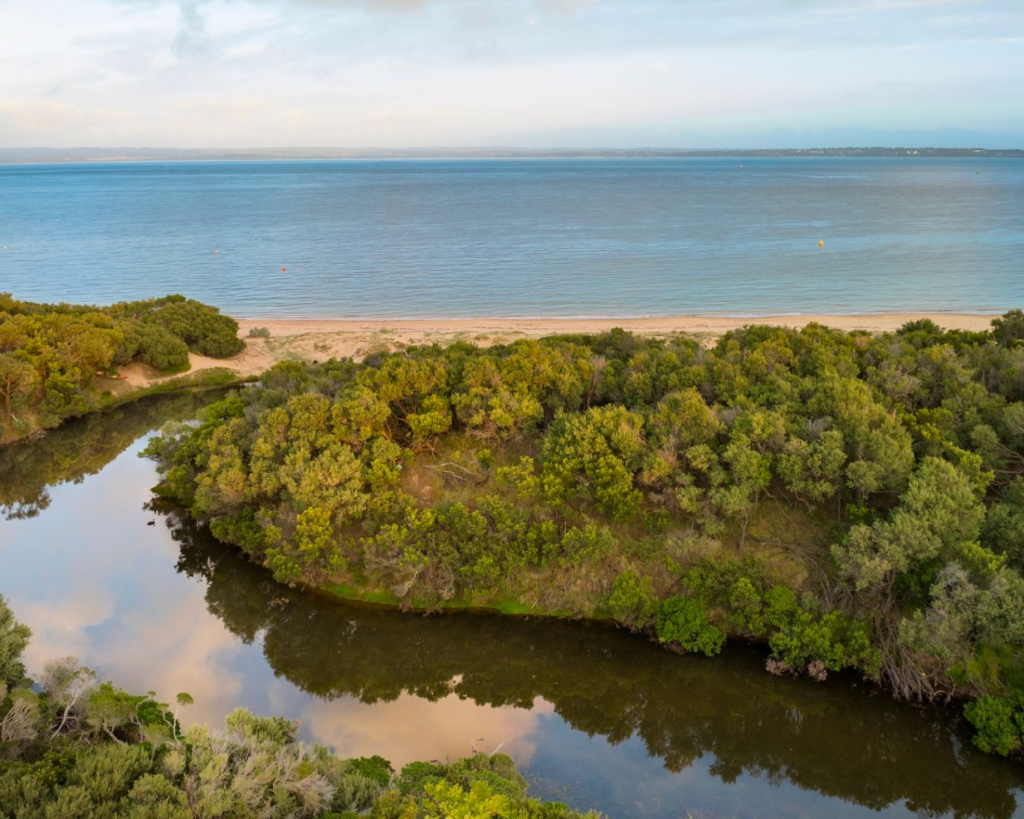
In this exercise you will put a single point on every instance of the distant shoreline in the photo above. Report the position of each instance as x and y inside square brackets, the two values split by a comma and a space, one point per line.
[50, 156]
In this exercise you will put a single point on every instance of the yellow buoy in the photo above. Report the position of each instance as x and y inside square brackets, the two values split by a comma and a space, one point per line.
[821, 243]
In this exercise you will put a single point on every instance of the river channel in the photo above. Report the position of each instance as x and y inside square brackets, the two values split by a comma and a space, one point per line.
[594, 716]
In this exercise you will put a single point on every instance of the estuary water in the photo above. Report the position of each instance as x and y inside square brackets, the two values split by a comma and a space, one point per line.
[594, 716]
[522, 238]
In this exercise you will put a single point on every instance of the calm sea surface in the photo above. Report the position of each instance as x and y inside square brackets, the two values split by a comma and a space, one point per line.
[593, 715]
[581, 237]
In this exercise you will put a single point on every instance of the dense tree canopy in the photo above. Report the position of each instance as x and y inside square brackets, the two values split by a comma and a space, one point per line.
[852, 500]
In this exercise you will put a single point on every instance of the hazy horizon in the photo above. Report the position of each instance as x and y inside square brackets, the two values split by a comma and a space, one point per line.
[982, 142]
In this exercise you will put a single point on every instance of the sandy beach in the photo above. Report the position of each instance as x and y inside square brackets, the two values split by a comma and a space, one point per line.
[321, 339]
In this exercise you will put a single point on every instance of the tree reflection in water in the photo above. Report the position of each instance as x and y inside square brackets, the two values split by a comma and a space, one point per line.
[82, 447]
[835, 738]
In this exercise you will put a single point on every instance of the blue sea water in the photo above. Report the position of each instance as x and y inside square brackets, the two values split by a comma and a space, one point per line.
[544, 237]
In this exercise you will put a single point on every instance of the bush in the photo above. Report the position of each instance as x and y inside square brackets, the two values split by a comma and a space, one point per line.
[633, 601]
[1009, 328]
[203, 328]
[802, 636]
[683, 623]
[999, 722]
[160, 349]
[374, 767]
[258, 332]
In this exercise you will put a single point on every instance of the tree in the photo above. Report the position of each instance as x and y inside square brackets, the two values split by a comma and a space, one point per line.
[595, 456]
[813, 469]
[879, 450]
[633, 601]
[938, 520]
[17, 380]
[999, 722]
[1003, 530]
[313, 552]
[14, 637]
[1010, 328]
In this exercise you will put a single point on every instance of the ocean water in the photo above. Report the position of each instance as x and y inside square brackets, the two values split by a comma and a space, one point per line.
[546, 237]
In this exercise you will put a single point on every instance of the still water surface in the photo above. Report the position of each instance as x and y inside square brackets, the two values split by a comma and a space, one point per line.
[594, 716]
[545, 237]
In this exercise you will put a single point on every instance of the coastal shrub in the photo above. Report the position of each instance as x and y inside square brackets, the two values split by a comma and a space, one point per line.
[258, 332]
[1003, 529]
[161, 349]
[374, 767]
[52, 354]
[683, 624]
[312, 552]
[595, 456]
[202, 327]
[633, 601]
[999, 722]
[736, 587]
[1009, 329]
[800, 635]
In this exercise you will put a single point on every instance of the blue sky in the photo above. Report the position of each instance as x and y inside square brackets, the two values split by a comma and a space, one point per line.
[533, 73]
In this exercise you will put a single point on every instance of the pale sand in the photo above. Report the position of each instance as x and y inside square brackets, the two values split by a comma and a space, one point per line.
[319, 340]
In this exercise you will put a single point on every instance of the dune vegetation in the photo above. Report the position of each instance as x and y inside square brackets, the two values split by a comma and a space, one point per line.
[58, 361]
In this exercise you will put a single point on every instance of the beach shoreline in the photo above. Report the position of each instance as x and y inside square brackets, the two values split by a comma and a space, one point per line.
[542, 326]
[322, 339]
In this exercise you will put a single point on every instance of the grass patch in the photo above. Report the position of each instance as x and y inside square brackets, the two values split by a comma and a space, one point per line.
[347, 592]
[214, 378]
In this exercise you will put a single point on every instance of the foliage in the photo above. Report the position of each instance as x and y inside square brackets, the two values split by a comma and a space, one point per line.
[203, 328]
[683, 624]
[51, 355]
[802, 636]
[861, 495]
[14, 636]
[633, 601]
[999, 722]
[595, 456]
[123, 756]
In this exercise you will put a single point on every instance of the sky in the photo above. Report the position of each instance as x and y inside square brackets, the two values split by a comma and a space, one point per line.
[525, 73]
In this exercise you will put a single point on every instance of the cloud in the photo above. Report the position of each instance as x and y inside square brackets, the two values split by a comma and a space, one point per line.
[395, 73]
[409, 728]
[192, 42]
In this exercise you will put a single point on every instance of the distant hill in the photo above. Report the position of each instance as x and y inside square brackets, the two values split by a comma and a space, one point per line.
[87, 154]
